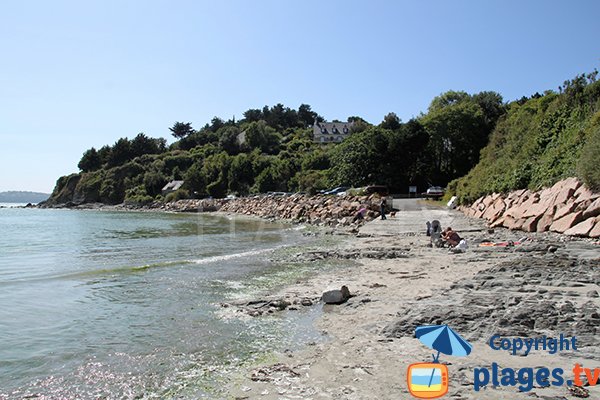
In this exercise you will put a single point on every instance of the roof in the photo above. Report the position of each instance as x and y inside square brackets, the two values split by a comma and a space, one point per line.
[173, 185]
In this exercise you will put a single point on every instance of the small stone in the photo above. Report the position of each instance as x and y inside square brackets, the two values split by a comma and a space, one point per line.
[592, 293]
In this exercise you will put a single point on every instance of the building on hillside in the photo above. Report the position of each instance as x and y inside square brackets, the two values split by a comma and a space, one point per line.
[331, 132]
[171, 187]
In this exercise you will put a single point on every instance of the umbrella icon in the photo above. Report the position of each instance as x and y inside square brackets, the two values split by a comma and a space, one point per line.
[443, 339]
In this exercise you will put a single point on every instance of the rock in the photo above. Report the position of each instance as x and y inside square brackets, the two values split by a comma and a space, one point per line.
[582, 228]
[566, 222]
[336, 296]
[530, 224]
[592, 210]
[564, 210]
[544, 223]
[592, 293]
[595, 232]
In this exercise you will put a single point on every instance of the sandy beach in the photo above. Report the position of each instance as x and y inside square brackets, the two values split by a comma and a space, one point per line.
[546, 286]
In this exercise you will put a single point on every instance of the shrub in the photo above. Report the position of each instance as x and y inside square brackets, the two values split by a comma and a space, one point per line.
[177, 195]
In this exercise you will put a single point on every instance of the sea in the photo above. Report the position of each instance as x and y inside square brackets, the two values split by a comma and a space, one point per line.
[127, 305]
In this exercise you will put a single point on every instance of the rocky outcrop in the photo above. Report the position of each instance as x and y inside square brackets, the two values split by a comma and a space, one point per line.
[567, 207]
[318, 210]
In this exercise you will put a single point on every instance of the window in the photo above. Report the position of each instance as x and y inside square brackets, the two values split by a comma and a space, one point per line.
[323, 130]
[346, 129]
[334, 130]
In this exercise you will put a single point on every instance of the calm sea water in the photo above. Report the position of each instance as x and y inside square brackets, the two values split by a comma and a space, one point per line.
[124, 305]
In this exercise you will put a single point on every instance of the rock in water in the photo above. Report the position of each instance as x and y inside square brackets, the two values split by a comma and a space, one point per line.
[336, 296]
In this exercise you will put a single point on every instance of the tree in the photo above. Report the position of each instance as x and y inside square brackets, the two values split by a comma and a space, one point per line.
[181, 129]
[229, 139]
[120, 153]
[391, 121]
[260, 136]
[90, 161]
[307, 116]
[142, 144]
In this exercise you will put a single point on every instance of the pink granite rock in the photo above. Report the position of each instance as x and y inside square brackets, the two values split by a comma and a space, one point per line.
[544, 223]
[566, 222]
[595, 232]
[582, 228]
[592, 210]
[530, 224]
[564, 210]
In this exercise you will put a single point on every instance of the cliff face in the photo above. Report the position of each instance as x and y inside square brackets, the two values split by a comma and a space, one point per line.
[567, 207]
[64, 192]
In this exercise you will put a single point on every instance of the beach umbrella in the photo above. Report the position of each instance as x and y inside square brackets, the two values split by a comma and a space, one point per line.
[443, 339]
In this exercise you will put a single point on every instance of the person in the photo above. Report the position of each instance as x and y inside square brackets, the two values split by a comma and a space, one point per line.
[451, 237]
[382, 207]
[360, 215]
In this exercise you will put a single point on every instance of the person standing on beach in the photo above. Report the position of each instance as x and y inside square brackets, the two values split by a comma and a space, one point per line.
[382, 206]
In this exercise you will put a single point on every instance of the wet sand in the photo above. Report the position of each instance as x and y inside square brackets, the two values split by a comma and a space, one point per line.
[547, 286]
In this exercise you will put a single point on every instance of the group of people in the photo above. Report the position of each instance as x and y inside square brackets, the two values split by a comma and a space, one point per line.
[440, 237]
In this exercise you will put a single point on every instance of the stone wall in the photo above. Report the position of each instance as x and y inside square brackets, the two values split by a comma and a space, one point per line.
[319, 210]
[567, 207]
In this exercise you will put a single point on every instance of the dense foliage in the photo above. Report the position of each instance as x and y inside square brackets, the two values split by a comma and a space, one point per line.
[539, 141]
[272, 149]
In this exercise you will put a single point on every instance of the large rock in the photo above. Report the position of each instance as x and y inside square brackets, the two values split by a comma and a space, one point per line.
[582, 228]
[513, 223]
[595, 232]
[530, 224]
[336, 296]
[568, 221]
[544, 223]
[564, 210]
[592, 210]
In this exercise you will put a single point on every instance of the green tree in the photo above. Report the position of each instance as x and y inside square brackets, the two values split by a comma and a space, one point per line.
[181, 129]
[90, 161]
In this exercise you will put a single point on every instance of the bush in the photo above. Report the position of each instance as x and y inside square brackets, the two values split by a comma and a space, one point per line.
[177, 195]
[587, 168]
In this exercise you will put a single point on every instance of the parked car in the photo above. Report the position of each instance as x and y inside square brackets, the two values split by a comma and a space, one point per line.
[435, 191]
[337, 190]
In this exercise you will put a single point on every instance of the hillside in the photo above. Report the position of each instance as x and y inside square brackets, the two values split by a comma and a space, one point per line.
[22, 197]
[272, 149]
[540, 141]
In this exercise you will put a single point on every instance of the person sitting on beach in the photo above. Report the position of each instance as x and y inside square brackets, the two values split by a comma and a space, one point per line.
[451, 237]
[360, 215]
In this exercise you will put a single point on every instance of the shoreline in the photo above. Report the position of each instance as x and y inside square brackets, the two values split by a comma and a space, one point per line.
[369, 340]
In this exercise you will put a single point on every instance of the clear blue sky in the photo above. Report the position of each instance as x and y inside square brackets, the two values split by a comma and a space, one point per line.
[77, 74]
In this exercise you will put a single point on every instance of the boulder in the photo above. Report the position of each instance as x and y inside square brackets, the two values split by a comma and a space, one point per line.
[544, 223]
[568, 221]
[593, 209]
[530, 224]
[336, 296]
[564, 210]
[513, 223]
[595, 232]
[583, 194]
[582, 229]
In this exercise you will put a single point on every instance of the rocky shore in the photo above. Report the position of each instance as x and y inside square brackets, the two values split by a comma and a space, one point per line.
[316, 210]
[567, 207]
[548, 285]
[297, 208]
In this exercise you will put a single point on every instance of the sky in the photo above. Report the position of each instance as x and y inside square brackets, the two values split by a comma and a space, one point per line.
[77, 74]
